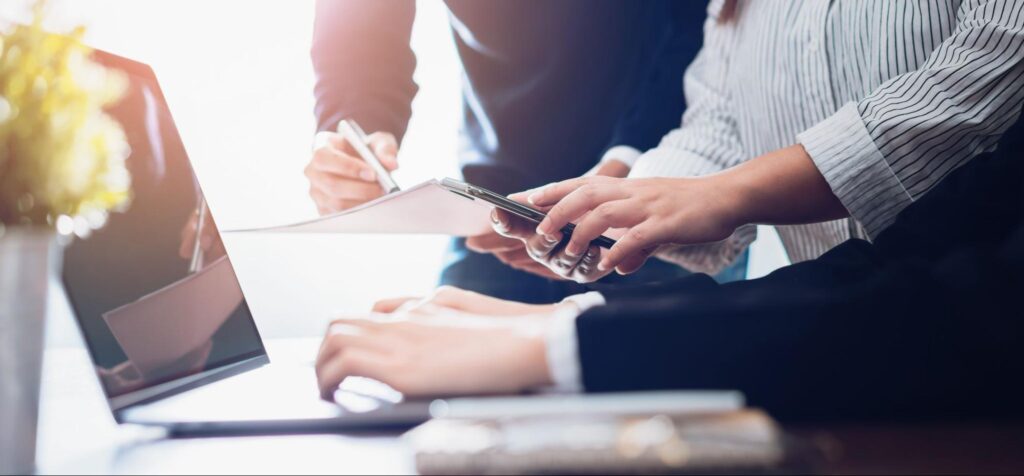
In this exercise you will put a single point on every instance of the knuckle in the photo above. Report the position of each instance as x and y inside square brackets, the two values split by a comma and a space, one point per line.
[588, 192]
[638, 235]
[605, 212]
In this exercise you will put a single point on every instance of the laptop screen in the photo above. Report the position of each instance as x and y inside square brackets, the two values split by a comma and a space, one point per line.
[153, 290]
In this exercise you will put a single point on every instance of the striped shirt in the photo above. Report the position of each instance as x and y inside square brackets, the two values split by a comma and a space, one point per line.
[887, 97]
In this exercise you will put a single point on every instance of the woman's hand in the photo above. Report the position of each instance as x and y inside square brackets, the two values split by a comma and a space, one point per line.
[435, 355]
[783, 187]
[641, 214]
[655, 211]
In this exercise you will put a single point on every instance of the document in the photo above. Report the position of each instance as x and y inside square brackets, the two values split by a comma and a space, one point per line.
[427, 208]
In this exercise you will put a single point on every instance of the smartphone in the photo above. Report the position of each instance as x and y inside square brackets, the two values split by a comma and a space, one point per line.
[518, 209]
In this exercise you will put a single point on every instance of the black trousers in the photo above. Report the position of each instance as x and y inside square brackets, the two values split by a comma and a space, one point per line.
[925, 322]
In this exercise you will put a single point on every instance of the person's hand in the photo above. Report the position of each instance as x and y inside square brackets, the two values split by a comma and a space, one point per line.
[339, 179]
[508, 250]
[434, 355]
[513, 251]
[209, 240]
[652, 211]
[455, 299]
[549, 251]
[609, 168]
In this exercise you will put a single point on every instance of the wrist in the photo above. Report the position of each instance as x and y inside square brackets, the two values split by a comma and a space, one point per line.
[731, 199]
[532, 364]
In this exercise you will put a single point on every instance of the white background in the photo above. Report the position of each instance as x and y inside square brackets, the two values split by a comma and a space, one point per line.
[239, 80]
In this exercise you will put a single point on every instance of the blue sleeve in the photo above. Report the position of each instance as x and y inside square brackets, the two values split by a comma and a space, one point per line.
[364, 64]
[658, 101]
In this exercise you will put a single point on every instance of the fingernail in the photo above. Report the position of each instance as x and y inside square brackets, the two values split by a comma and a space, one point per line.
[602, 266]
[540, 231]
[533, 198]
[551, 239]
[573, 251]
[494, 218]
[367, 175]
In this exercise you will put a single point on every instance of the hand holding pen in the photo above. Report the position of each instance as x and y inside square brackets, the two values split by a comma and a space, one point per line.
[350, 168]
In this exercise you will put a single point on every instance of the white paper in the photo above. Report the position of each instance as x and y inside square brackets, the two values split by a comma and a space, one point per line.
[427, 208]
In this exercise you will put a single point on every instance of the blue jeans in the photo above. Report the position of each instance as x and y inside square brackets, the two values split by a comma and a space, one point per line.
[484, 274]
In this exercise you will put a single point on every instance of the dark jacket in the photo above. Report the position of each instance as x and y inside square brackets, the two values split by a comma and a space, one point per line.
[548, 86]
[925, 322]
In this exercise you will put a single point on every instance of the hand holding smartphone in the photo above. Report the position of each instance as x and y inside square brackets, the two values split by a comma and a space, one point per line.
[518, 209]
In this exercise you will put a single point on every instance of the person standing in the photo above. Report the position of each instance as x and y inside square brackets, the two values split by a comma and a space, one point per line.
[551, 90]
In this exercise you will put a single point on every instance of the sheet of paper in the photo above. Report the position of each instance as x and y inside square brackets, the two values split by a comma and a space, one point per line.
[162, 327]
[426, 208]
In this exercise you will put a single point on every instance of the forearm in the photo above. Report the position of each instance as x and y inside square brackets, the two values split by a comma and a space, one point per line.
[783, 187]
[353, 81]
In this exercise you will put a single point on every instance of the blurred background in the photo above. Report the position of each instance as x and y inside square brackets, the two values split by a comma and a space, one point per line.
[239, 81]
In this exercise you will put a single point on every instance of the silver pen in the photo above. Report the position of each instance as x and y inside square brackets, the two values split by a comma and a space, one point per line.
[360, 142]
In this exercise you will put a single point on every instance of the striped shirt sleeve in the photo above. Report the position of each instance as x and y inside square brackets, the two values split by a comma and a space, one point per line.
[707, 141]
[883, 152]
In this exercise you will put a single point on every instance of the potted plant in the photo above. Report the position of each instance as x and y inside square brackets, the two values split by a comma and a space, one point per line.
[61, 171]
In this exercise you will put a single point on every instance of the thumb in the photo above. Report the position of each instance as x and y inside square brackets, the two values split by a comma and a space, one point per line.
[386, 147]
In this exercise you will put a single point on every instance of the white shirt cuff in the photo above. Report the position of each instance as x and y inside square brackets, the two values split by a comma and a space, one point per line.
[622, 153]
[562, 346]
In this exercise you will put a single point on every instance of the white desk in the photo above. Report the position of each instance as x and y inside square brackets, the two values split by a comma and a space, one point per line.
[78, 435]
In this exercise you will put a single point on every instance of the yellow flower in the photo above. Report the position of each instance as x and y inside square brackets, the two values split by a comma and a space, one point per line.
[60, 153]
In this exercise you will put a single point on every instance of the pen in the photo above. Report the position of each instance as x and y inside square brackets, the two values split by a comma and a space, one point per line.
[197, 250]
[355, 136]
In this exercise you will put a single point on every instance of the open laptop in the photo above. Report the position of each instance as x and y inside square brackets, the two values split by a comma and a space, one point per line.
[166, 324]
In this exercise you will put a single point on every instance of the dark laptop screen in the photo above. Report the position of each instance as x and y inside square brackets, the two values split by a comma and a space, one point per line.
[151, 308]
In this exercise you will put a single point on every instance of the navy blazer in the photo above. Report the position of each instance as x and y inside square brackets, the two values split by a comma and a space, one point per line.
[548, 86]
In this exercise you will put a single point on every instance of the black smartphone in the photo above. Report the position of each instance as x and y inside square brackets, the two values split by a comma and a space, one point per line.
[518, 209]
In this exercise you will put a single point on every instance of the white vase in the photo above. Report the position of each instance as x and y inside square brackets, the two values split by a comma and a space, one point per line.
[29, 258]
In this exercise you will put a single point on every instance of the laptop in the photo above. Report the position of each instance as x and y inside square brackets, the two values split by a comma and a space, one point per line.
[166, 323]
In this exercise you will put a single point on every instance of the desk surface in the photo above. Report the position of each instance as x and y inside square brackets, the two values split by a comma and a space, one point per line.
[78, 435]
